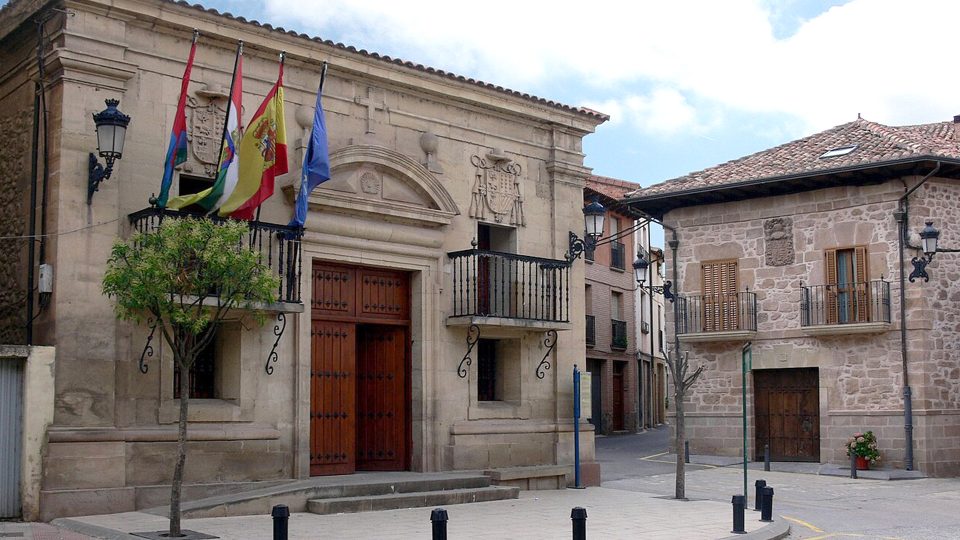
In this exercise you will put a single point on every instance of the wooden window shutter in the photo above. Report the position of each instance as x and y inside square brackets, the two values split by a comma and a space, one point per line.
[862, 285]
[830, 287]
[720, 306]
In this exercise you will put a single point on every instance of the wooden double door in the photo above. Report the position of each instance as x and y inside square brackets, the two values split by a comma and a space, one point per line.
[787, 409]
[360, 370]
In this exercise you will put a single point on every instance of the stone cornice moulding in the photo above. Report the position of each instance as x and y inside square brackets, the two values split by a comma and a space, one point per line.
[85, 69]
[304, 49]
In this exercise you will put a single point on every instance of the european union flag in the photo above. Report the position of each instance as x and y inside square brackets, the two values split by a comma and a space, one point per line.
[316, 161]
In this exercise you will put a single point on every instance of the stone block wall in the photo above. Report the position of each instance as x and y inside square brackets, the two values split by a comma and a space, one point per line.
[860, 375]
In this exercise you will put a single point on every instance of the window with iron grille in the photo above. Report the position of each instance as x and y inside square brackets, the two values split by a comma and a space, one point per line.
[487, 370]
[203, 374]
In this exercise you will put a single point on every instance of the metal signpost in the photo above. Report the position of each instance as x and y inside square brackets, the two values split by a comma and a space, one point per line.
[576, 427]
[746, 365]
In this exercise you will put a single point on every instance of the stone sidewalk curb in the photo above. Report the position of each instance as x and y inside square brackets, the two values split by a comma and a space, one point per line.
[774, 531]
[92, 530]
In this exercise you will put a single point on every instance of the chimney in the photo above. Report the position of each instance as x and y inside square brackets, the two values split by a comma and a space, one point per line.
[956, 119]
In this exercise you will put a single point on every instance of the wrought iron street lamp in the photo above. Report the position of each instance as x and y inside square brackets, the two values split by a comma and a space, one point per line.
[593, 214]
[640, 266]
[928, 242]
[111, 131]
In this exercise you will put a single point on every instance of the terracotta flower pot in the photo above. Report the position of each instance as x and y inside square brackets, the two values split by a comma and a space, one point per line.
[863, 464]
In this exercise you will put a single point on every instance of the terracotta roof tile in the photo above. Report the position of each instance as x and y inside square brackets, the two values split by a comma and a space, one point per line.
[611, 187]
[875, 144]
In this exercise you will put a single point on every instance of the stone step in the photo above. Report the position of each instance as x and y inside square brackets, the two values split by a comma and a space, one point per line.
[420, 499]
[295, 494]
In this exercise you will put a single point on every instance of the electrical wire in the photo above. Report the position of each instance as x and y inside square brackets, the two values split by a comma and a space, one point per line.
[58, 233]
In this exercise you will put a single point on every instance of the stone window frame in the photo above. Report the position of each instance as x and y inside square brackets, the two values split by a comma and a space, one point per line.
[861, 272]
[234, 388]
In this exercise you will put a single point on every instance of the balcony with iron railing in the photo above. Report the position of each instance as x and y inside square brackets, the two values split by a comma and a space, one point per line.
[845, 308]
[717, 317]
[591, 331]
[277, 245]
[506, 289]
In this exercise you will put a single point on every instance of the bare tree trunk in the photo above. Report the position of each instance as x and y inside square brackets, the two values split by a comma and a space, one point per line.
[176, 486]
[681, 437]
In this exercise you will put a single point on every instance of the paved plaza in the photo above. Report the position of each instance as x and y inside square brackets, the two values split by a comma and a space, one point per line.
[634, 502]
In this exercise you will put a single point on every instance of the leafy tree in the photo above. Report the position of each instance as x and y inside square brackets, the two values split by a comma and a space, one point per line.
[187, 275]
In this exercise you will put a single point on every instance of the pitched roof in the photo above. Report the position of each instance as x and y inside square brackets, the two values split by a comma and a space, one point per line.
[611, 187]
[612, 191]
[870, 145]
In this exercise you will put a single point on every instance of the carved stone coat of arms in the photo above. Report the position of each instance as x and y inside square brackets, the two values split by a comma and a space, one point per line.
[496, 189]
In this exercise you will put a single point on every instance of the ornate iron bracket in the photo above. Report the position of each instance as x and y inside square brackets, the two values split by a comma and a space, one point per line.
[277, 331]
[551, 343]
[920, 268]
[578, 246]
[148, 349]
[473, 336]
[664, 290]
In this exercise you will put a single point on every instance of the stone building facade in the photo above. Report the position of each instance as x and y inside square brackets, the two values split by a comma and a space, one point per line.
[429, 171]
[791, 256]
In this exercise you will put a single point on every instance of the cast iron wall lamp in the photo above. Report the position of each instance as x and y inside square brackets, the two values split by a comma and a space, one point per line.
[593, 224]
[111, 130]
[640, 266]
[928, 241]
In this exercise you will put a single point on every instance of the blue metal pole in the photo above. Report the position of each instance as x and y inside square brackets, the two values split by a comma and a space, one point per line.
[576, 426]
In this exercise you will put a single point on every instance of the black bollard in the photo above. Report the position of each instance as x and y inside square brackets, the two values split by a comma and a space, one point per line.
[686, 451]
[739, 503]
[766, 457]
[281, 522]
[853, 466]
[766, 508]
[579, 517]
[438, 519]
[759, 484]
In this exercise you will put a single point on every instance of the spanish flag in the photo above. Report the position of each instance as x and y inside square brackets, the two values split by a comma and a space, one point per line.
[262, 155]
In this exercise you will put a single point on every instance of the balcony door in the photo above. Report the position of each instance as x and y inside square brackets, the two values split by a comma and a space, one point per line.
[496, 276]
[720, 306]
[847, 295]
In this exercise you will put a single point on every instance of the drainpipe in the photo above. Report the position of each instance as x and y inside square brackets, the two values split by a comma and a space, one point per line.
[902, 222]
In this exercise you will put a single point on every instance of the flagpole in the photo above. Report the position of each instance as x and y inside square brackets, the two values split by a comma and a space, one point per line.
[233, 80]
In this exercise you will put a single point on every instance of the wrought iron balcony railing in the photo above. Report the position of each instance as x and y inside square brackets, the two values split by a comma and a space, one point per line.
[278, 245]
[494, 284]
[591, 330]
[845, 303]
[717, 313]
[617, 255]
[618, 334]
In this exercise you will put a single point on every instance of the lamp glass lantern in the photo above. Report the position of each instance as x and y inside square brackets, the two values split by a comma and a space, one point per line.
[640, 265]
[111, 131]
[928, 239]
[593, 219]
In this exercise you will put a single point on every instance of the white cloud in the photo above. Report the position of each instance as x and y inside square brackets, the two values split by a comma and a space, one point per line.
[666, 65]
[661, 112]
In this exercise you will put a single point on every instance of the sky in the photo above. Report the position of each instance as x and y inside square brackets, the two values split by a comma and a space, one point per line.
[688, 84]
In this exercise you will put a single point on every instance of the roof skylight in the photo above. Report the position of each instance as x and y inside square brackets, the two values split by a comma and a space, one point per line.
[841, 151]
